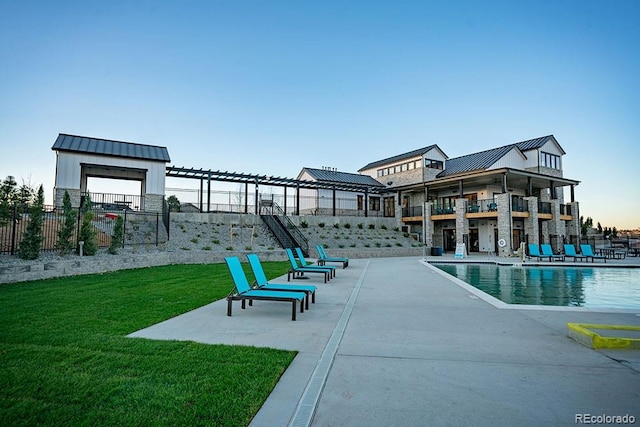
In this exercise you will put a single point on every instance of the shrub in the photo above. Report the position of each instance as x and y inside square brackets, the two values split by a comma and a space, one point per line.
[194, 240]
[321, 224]
[32, 238]
[372, 226]
[64, 245]
[336, 225]
[396, 229]
[353, 245]
[304, 224]
[87, 235]
[229, 248]
[360, 225]
[384, 227]
[378, 244]
[215, 241]
[398, 244]
[341, 246]
[347, 225]
[206, 248]
[247, 248]
[366, 245]
[117, 236]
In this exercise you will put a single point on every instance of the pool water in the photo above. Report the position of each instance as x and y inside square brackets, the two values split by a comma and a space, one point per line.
[559, 286]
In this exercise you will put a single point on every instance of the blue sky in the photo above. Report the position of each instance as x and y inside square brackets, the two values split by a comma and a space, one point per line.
[273, 86]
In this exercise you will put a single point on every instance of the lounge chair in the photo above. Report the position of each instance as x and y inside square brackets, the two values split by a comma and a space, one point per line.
[324, 258]
[246, 293]
[588, 252]
[304, 263]
[534, 251]
[547, 251]
[570, 251]
[263, 283]
[297, 270]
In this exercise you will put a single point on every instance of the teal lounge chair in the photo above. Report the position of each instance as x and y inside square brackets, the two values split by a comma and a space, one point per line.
[588, 252]
[534, 252]
[304, 263]
[296, 270]
[324, 258]
[547, 251]
[570, 251]
[263, 283]
[246, 293]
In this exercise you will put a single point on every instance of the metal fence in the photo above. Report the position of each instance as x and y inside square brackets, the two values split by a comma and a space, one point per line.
[140, 228]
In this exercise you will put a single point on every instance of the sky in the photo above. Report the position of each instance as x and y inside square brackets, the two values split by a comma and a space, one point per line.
[270, 87]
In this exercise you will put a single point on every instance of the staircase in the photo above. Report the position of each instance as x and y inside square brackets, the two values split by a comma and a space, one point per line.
[285, 231]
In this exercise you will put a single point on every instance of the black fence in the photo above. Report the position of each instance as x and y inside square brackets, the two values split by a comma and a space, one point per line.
[140, 228]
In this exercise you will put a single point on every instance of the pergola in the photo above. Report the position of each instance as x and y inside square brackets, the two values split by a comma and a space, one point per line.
[267, 180]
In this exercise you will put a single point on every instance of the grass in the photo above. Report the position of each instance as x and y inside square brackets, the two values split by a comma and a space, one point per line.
[65, 360]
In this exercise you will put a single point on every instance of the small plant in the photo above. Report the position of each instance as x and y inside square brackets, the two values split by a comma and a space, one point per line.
[406, 234]
[388, 245]
[185, 249]
[215, 241]
[304, 224]
[367, 245]
[229, 248]
[347, 225]
[398, 244]
[321, 224]
[270, 248]
[247, 248]
[360, 225]
[206, 248]
[336, 225]
[378, 244]
[65, 235]
[194, 240]
[336, 237]
[88, 235]
[341, 246]
[353, 245]
[118, 234]
[396, 229]
[372, 226]
[384, 227]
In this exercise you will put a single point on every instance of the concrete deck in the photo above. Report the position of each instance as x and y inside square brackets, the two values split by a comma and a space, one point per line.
[392, 341]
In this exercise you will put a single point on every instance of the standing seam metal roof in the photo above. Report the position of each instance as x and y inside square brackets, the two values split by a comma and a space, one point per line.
[484, 159]
[83, 144]
[410, 154]
[329, 176]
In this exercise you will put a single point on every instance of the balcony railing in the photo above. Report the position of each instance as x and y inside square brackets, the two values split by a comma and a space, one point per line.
[544, 207]
[519, 204]
[565, 210]
[412, 211]
[486, 205]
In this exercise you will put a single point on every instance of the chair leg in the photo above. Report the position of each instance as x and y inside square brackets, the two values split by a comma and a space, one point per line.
[229, 302]
[293, 310]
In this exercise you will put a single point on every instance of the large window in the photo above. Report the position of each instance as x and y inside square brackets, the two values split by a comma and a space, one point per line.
[374, 203]
[414, 164]
[549, 160]
[433, 164]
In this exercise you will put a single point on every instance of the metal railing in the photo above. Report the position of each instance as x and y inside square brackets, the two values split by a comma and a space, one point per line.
[412, 211]
[140, 228]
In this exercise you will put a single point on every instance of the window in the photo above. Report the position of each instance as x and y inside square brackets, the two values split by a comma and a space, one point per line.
[360, 202]
[549, 160]
[374, 203]
[389, 206]
[433, 164]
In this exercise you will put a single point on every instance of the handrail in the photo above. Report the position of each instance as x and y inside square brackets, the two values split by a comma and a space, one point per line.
[294, 236]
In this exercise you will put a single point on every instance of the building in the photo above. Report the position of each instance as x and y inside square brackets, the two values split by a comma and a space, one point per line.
[79, 157]
[340, 193]
[490, 201]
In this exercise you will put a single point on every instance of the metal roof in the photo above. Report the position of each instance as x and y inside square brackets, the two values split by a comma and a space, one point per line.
[484, 159]
[399, 157]
[331, 176]
[105, 147]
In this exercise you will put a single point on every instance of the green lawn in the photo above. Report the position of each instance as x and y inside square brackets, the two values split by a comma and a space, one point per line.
[65, 360]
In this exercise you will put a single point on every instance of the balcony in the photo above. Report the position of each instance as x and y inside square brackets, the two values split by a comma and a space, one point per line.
[412, 212]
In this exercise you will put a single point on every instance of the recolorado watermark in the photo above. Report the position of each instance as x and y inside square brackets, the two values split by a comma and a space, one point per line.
[604, 419]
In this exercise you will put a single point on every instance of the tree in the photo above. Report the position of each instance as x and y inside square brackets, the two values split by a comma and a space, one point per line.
[7, 199]
[118, 235]
[87, 232]
[585, 225]
[174, 203]
[599, 228]
[32, 238]
[65, 235]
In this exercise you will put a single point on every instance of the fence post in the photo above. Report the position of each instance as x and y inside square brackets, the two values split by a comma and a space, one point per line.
[157, 226]
[14, 226]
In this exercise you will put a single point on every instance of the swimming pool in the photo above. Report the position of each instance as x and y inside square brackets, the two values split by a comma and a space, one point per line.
[589, 287]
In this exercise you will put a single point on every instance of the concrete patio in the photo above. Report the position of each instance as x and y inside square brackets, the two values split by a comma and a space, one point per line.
[392, 341]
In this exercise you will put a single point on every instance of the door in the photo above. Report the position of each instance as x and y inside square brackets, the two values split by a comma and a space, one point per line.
[474, 240]
[449, 239]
